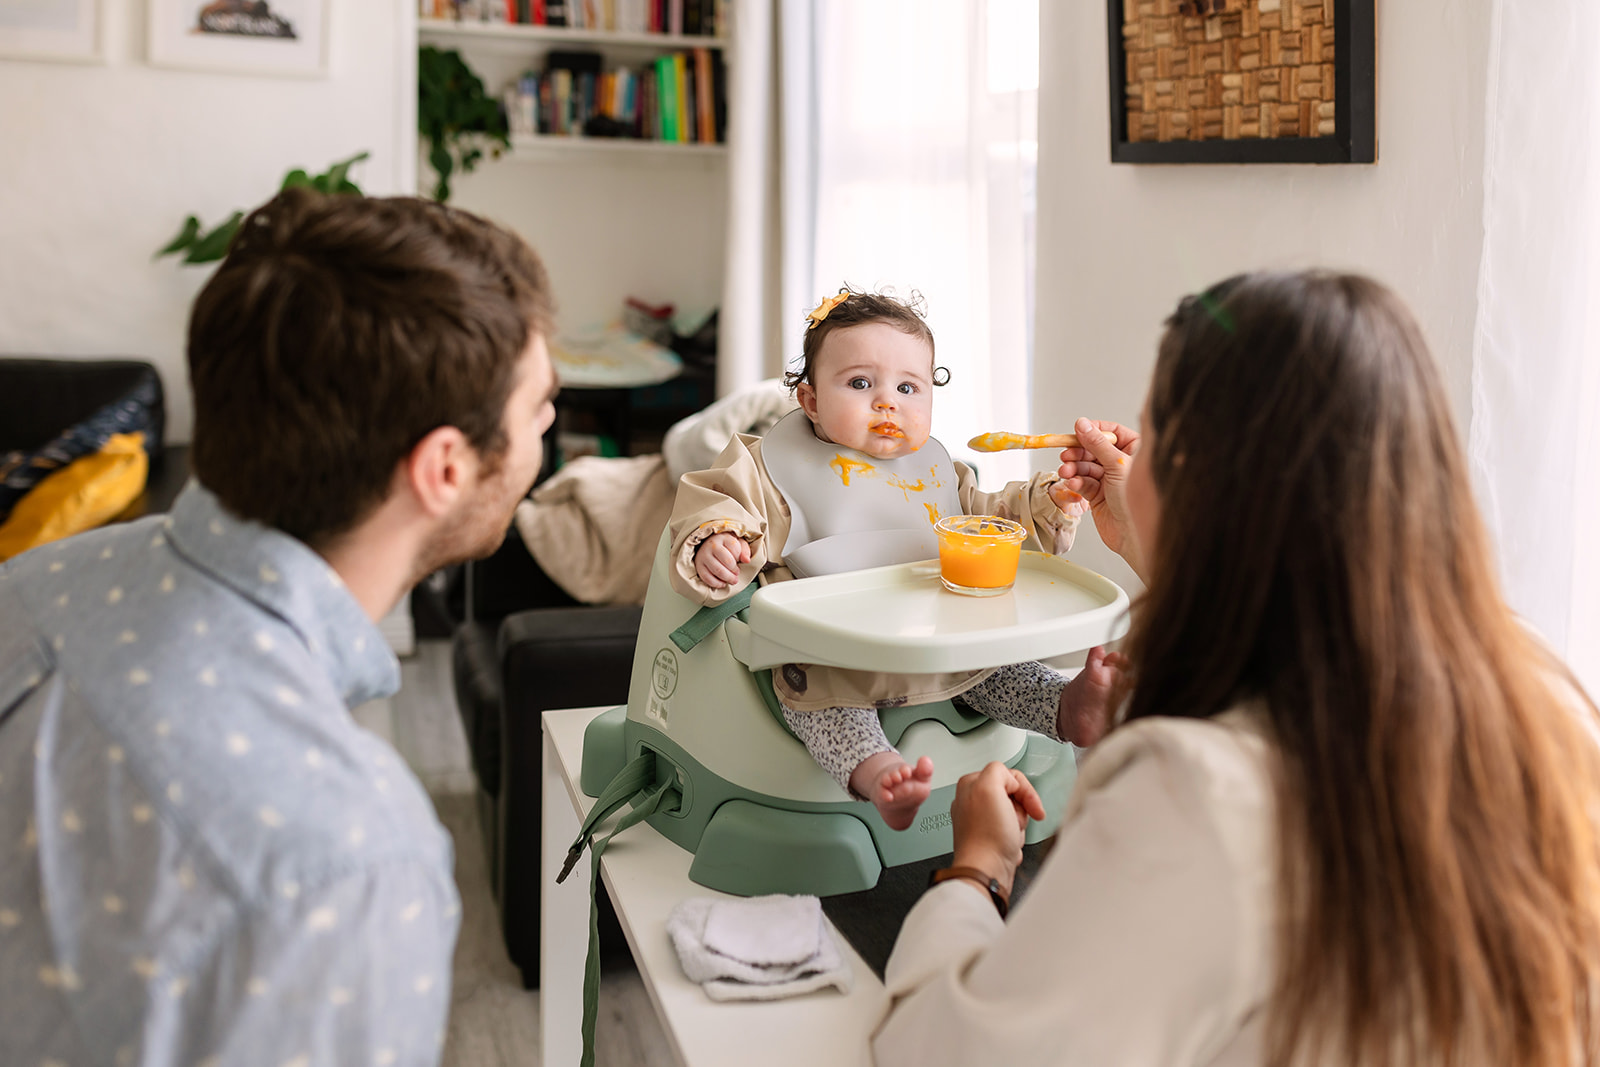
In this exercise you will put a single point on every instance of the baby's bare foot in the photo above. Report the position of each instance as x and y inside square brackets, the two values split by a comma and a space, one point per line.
[900, 791]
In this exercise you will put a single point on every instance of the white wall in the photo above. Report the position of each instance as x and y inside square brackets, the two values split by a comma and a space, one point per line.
[610, 224]
[102, 162]
[1118, 245]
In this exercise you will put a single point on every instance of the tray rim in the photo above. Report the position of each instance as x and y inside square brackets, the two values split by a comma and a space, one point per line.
[774, 602]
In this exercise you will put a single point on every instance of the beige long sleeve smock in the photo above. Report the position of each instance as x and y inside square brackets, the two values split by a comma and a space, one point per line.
[1146, 938]
[738, 496]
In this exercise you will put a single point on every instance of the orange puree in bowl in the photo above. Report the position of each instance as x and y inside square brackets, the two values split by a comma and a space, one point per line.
[978, 554]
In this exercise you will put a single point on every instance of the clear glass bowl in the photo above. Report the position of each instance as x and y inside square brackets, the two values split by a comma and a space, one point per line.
[978, 554]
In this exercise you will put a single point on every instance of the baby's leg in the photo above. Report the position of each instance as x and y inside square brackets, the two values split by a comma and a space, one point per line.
[1024, 695]
[849, 743]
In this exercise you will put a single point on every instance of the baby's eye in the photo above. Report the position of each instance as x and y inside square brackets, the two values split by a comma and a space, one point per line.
[859, 383]
[908, 388]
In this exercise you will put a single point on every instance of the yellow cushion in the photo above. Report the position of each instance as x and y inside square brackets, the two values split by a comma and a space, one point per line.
[80, 496]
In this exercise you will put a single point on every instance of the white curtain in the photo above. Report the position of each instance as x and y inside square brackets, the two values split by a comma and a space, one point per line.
[1535, 432]
[898, 152]
[747, 343]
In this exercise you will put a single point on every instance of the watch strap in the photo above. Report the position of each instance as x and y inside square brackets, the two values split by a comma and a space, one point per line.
[997, 895]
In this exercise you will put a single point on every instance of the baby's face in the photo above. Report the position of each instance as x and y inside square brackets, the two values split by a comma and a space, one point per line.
[871, 390]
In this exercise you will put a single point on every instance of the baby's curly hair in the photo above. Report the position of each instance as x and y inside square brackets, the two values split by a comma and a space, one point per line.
[857, 309]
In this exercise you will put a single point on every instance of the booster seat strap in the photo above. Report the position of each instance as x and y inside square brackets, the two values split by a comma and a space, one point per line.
[647, 804]
[629, 783]
[710, 617]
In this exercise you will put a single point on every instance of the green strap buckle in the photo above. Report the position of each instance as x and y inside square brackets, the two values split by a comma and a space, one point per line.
[708, 618]
[630, 782]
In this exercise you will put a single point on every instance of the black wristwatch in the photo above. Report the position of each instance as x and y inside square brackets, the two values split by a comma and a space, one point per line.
[992, 884]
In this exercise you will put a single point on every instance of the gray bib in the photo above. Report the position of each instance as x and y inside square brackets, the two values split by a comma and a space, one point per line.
[849, 511]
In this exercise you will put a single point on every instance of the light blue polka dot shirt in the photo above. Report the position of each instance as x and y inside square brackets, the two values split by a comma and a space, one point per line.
[203, 859]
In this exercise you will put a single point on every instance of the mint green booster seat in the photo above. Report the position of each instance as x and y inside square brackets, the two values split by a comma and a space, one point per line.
[746, 798]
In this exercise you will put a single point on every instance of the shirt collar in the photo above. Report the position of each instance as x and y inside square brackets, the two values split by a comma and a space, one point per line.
[287, 578]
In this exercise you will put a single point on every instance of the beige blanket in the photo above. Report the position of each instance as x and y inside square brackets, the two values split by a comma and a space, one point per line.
[594, 525]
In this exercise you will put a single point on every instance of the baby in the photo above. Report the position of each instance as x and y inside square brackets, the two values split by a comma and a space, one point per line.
[851, 480]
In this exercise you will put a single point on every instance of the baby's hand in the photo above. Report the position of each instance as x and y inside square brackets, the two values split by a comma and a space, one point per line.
[1068, 501]
[717, 559]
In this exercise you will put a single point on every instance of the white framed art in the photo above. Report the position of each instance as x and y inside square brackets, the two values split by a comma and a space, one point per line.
[288, 38]
[52, 29]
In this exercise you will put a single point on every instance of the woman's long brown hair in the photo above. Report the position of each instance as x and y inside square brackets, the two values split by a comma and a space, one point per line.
[1320, 553]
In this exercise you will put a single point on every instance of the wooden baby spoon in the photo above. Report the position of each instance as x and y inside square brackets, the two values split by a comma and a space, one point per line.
[1002, 440]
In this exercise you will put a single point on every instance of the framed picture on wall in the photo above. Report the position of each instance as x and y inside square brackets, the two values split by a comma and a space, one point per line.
[1242, 81]
[52, 29]
[288, 38]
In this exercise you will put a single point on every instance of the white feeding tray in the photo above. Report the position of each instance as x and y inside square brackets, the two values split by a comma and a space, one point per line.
[903, 619]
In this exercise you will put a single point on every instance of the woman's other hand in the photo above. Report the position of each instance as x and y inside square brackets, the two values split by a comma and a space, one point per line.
[1097, 470]
[990, 812]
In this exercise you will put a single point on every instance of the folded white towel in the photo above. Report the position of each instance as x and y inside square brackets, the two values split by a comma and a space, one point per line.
[756, 948]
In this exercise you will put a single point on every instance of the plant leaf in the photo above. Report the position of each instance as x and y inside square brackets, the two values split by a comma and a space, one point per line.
[214, 245]
[185, 238]
[335, 178]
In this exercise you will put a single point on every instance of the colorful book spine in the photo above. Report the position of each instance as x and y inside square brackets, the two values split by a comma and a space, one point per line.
[705, 118]
[667, 127]
[680, 89]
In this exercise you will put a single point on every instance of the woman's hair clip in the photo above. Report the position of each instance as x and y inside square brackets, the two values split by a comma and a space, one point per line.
[827, 305]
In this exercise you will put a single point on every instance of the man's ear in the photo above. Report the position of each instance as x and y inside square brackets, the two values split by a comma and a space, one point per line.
[807, 395]
[439, 468]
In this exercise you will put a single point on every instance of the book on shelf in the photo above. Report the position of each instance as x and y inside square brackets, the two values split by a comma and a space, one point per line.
[705, 117]
[680, 71]
[676, 97]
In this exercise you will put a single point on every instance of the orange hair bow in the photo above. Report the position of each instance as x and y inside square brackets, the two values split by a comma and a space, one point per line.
[827, 305]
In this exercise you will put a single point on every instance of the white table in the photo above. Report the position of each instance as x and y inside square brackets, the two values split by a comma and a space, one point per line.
[647, 876]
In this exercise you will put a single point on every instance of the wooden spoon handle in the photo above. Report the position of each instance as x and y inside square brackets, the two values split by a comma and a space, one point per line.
[1002, 440]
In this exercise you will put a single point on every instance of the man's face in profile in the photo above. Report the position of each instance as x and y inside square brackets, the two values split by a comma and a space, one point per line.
[481, 521]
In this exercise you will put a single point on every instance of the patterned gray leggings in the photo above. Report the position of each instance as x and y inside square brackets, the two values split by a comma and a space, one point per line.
[1025, 695]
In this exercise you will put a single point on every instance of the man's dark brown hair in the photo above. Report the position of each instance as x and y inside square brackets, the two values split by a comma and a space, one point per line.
[341, 330]
[858, 309]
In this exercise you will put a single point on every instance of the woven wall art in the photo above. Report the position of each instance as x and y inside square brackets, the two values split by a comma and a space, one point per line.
[1233, 81]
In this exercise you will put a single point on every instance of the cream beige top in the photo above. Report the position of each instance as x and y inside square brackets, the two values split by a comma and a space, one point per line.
[737, 495]
[1146, 938]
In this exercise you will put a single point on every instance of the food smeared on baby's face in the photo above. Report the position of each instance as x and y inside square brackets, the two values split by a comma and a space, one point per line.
[871, 389]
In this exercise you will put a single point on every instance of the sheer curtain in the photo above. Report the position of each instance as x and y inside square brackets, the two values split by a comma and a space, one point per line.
[925, 120]
[1534, 442]
[895, 149]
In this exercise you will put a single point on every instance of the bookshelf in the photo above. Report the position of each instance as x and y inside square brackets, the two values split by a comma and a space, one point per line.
[502, 54]
[612, 217]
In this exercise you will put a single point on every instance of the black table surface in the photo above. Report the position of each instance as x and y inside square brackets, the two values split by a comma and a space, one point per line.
[870, 920]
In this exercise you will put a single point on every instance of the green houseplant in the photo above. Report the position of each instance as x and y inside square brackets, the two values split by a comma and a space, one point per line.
[455, 116]
[196, 245]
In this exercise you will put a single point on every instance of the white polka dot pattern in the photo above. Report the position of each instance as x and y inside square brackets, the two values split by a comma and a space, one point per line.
[185, 736]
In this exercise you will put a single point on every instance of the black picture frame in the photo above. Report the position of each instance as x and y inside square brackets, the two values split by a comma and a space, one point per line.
[1354, 139]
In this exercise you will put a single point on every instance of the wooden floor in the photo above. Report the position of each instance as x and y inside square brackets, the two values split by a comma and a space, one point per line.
[494, 1022]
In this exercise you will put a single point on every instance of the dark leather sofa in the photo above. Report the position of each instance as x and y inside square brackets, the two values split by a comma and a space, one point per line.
[41, 397]
[524, 649]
